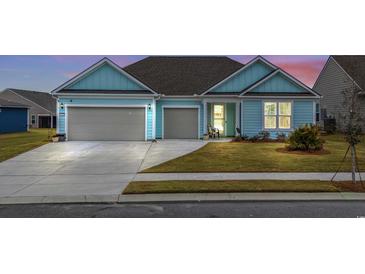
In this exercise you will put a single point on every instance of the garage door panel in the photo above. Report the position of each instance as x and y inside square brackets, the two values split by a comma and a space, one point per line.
[181, 123]
[106, 124]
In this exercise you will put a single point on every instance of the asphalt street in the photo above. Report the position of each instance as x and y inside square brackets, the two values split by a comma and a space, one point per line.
[267, 209]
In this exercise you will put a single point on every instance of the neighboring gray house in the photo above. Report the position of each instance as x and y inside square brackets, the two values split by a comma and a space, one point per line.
[337, 75]
[42, 112]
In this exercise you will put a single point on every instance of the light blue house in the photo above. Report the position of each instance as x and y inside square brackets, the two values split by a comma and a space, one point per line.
[180, 97]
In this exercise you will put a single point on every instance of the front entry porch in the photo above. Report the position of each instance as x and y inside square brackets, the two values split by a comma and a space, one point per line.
[222, 115]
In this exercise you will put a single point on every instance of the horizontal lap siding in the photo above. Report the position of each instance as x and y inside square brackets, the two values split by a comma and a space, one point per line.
[251, 117]
[331, 84]
[123, 102]
[303, 113]
[161, 103]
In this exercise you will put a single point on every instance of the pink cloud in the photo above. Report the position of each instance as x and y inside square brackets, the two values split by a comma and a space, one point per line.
[70, 74]
[306, 71]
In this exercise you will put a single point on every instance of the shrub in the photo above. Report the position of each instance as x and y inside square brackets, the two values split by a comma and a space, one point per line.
[240, 138]
[254, 138]
[245, 137]
[237, 139]
[263, 135]
[305, 138]
[281, 137]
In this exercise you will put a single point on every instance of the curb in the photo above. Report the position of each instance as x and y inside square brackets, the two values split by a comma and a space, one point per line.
[184, 197]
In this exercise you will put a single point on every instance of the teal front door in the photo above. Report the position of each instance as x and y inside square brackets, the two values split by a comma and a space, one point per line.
[230, 119]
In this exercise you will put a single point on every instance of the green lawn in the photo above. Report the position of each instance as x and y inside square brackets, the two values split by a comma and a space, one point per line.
[239, 186]
[13, 144]
[261, 157]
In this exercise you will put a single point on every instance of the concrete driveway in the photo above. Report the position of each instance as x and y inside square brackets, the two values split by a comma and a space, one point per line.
[59, 172]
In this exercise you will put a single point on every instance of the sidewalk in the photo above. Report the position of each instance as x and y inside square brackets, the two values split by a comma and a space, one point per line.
[323, 176]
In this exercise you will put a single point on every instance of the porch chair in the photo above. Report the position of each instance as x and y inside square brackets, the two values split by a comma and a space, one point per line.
[213, 132]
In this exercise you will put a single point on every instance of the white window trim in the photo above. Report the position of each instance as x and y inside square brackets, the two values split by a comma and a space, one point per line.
[277, 115]
[35, 119]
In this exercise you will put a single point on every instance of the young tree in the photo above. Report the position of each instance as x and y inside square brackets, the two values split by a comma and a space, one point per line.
[351, 120]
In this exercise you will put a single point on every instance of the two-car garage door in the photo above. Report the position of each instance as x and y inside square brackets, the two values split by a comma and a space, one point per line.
[106, 123]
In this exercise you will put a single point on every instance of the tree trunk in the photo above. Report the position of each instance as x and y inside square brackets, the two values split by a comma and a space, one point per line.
[353, 163]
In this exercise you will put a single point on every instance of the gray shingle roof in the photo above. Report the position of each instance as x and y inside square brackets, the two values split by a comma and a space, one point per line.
[354, 65]
[182, 75]
[43, 99]
[7, 103]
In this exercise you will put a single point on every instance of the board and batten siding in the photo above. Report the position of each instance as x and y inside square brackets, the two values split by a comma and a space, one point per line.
[252, 115]
[331, 83]
[105, 77]
[278, 83]
[104, 102]
[180, 103]
[244, 78]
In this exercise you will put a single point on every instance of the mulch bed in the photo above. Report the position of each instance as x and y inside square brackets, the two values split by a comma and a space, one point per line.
[258, 141]
[299, 152]
[349, 186]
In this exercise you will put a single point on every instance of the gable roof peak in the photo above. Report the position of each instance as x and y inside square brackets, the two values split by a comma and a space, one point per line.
[353, 66]
[285, 74]
[94, 67]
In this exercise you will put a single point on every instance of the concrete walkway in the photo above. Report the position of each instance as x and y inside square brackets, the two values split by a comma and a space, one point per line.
[165, 150]
[323, 176]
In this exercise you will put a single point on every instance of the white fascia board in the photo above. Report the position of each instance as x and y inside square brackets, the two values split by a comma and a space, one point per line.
[280, 97]
[98, 95]
[254, 60]
[96, 65]
[279, 70]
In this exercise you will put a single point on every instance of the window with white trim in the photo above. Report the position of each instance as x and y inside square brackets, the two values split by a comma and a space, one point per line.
[277, 115]
[270, 115]
[33, 119]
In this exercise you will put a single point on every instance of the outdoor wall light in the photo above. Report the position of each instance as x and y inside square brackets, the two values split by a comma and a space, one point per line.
[61, 105]
[149, 106]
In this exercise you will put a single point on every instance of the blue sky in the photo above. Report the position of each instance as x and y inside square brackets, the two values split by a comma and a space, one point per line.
[46, 72]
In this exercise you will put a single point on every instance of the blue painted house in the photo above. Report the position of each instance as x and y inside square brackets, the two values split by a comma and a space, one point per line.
[13, 117]
[180, 97]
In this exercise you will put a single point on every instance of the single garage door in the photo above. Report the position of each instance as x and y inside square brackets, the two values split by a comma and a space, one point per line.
[181, 123]
[106, 124]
